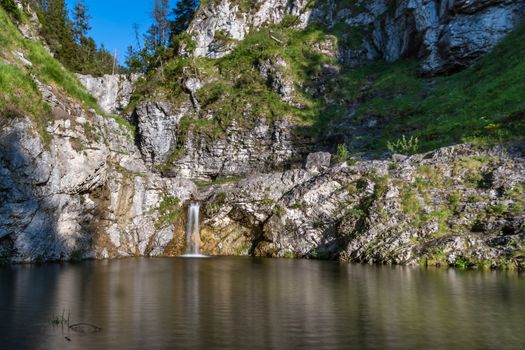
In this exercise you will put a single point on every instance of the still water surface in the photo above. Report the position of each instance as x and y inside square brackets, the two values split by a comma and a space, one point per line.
[246, 303]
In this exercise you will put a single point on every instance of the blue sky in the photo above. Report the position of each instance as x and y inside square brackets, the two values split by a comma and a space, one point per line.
[112, 22]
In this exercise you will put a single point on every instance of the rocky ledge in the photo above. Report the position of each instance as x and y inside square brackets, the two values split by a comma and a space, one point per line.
[459, 206]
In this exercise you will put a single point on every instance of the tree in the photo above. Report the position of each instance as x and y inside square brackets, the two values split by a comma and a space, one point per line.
[68, 39]
[80, 21]
[183, 15]
[157, 34]
[134, 60]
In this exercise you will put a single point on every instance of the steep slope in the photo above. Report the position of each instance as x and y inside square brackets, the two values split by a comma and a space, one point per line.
[240, 133]
[444, 35]
[273, 63]
[287, 80]
[72, 183]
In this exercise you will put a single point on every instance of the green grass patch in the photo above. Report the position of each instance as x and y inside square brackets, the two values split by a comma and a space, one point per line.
[19, 95]
[169, 210]
[483, 104]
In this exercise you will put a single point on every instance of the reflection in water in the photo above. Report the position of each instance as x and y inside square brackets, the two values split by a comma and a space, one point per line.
[259, 303]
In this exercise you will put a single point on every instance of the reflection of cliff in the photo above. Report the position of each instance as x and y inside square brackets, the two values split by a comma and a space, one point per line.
[236, 302]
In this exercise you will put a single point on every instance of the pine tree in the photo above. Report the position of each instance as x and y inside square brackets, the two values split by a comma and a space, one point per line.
[81, 21]
[134, 60]
[68, 39]
[183, 15]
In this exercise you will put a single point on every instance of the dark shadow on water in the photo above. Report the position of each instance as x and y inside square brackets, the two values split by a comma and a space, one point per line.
[29, 211]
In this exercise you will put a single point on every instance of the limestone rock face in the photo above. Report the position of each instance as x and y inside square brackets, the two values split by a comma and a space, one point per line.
[113, 92]
[274, 72]
[239, 150]
[445, 35]
[457, 204]
[233, 20]
[85, 194]
[318, 161]
[157, 130]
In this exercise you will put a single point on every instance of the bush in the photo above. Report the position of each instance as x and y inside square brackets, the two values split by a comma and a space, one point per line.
[290, 21]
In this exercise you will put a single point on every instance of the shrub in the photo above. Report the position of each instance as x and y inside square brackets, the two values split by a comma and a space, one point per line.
[290, 21]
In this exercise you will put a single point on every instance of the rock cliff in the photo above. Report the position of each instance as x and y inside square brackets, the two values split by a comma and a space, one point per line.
[456, 206]
[91, 185]
[445, 35]
[113, 92]
[85, 192]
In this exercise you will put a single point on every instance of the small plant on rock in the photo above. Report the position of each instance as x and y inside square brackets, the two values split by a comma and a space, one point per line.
[342, 154]
[404, 145]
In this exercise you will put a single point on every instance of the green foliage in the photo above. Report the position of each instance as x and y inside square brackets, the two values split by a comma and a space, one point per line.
[342, 153]
[11, 8]
[404, 145]
[19, 94]
[68, 38]
[290, 21]
[482, 104]
[409, 202]
[169, 210]
[435, 257]
[289, 255]
[183, 14]
[454, 199]
[498, 209]
[19, 97]
[183, 41]
[517, 208]
[126, 124]
[462, 263]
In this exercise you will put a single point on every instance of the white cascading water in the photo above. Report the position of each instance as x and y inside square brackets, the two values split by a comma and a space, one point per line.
[193, 237]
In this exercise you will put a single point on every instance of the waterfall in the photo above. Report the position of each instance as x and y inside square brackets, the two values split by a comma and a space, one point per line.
[193, 237]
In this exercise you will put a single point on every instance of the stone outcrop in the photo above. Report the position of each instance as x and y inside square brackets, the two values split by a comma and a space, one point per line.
[458, 205]
[274, 72]
[113, 92]
[157, 130]
[445, 35]
[86, 193]
[89, 186]
[237, 150]
[233, 20]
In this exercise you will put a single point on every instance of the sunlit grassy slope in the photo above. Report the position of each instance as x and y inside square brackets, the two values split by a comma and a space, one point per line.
[484, 103]
[18, 91]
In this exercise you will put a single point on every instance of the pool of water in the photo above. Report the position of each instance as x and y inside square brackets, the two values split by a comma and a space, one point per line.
[250, 303]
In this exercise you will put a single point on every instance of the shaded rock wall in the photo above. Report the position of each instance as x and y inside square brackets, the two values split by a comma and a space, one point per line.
[85, 193]
[239, 150]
